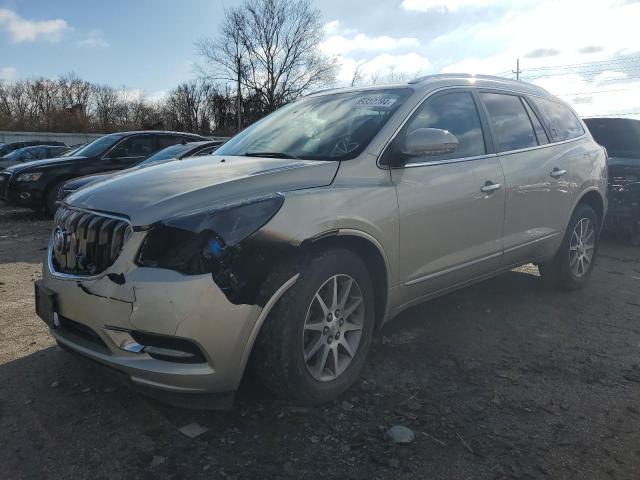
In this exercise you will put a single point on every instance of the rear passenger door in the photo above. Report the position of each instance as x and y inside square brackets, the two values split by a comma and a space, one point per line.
[451, 206]
[536, 177]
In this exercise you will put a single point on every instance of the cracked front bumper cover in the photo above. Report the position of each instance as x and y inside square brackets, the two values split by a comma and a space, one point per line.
[159, 302]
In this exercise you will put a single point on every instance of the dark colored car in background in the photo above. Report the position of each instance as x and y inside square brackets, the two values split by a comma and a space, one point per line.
[36, 184]
[28, 154]
[621, 138]
[6, 148]
[174, 152]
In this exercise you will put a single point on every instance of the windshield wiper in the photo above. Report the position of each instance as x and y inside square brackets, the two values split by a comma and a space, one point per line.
[270, 155]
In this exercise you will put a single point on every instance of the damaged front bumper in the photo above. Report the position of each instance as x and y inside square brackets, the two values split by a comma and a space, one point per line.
[169, 312]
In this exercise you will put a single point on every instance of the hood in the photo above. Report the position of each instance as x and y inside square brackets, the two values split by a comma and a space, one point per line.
[148, 195]
[35, 164]
[80, 182]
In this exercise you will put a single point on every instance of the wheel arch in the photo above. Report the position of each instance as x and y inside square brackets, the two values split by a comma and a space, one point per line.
[594, 199]
[371, 252]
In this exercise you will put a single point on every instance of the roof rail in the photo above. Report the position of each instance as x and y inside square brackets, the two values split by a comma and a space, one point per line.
[443, 76]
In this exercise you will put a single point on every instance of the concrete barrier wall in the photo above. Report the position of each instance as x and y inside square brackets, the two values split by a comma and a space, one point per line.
[67, 138]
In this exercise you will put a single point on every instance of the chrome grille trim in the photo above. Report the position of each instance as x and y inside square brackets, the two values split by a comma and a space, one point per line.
[93, 242]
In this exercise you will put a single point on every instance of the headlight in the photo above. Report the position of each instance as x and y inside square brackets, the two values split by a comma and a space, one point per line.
[28, 177]
[206, 241]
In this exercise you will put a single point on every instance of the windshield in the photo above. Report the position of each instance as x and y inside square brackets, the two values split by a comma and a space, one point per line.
[329, 127]
[21, 154]
[99, 146]
[166, 154]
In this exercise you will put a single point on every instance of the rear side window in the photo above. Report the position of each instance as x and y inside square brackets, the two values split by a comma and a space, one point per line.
[537, 126]
[510, 121]
[455, 112]
[165, 141]
[560, 120]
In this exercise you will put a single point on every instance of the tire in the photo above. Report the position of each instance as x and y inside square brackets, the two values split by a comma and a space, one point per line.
[51, 199]
[561, 270]
[291, 331]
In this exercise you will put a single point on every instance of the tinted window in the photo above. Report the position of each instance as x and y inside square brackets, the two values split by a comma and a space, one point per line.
[167, 154]
[537, 126]
[207, 151]
[510, 121]
[454, 112]
[99, 146]
[165, 141]
[135, 147]
[561, 122]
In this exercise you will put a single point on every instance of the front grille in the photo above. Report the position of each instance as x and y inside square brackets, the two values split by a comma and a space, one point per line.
[86, 243]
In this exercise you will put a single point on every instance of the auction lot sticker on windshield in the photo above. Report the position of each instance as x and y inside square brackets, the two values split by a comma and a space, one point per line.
[375, 101]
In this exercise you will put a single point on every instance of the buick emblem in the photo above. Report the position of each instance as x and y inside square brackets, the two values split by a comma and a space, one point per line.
[59, 240]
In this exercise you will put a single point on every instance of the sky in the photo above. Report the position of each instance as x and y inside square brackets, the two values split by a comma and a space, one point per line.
[587, 52]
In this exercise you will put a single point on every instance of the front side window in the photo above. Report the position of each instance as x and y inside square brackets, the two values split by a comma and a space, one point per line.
[560, 120]
[134, 147]
[455, 112]
[165, 141]
[540, 133]
[99, 146]
[335, 126]
[510, 121]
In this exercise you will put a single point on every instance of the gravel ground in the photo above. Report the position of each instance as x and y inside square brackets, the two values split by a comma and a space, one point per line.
[506, 379]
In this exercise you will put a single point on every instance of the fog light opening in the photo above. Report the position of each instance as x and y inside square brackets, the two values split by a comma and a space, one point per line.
[159, 347]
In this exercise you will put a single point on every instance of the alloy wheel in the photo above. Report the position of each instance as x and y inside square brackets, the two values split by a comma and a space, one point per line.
[582, 247]
[333, 328]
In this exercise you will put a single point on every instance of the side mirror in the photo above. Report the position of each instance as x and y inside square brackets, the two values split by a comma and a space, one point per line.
[429, 142]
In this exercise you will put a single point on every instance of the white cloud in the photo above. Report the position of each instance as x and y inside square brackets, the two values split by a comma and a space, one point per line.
[23, 30]
[386, 67]
[442, 5]
[339, 44]
[8, 74]
[95, 39]
[382, 56]
[598, 31]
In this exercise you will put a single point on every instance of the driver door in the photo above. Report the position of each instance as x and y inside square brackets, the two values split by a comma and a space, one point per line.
[451, 206]
[130, 151]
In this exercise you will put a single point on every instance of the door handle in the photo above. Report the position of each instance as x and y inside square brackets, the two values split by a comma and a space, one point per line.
[490, 187]
[557, 173]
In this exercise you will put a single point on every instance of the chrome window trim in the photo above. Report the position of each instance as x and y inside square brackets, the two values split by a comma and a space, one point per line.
[69, 276]
[446, 161]
[477, 157]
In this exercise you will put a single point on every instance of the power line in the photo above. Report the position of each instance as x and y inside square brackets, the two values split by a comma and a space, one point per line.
[614, 114]
[599, 91]
[588, 64]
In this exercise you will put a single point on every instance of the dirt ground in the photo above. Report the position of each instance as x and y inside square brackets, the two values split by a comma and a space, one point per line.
[506, 379]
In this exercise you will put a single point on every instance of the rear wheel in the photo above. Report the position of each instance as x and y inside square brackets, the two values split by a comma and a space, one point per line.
[316, 339]
[573, 263]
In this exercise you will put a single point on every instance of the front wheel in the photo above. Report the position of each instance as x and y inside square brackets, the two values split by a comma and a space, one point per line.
[572, 265]
[314, 343]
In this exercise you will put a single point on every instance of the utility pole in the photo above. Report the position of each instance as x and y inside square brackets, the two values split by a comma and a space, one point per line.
[517, 71]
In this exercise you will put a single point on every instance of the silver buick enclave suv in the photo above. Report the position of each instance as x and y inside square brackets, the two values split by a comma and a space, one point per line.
[311, 228]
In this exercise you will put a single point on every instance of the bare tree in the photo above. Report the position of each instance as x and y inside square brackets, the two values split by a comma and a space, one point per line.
[271, 49]
[226, 56]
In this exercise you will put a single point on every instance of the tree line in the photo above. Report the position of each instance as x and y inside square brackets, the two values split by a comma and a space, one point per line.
[265, 55]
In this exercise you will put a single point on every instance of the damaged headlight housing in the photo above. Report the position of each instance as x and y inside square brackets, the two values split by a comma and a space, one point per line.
[206, 241]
